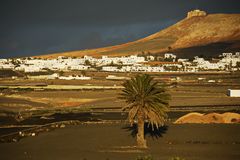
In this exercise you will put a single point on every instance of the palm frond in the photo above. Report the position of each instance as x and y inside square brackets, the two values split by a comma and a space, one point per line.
[141, 92]
[132, 114]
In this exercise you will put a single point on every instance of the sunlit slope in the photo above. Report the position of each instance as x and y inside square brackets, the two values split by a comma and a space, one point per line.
[221, 31]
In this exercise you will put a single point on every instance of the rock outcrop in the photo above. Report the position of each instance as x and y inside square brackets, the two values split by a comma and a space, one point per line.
[195, 117]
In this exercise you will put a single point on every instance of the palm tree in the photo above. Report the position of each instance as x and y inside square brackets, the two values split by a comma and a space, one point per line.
[147, 101]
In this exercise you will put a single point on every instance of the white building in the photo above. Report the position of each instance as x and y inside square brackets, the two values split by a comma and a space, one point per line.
[183, 60]
[227, 54]
[150, 58]
[169, 55]
[206, 65]
[110, 68]
[74, 78]
[230, 60]
[234, 92]
[80, 67]
[7, 66]
[113, 77]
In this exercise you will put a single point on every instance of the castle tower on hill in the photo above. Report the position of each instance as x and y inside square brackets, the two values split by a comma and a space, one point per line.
[196, 13]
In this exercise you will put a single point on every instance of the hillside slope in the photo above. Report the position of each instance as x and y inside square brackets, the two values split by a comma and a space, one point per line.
[211, 34]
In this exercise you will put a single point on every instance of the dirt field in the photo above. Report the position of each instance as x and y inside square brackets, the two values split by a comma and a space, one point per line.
[181, 96]
[115, 142]
[22, 108]
[188, 94]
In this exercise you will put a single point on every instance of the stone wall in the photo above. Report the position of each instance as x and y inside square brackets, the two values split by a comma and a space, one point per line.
[196, 13]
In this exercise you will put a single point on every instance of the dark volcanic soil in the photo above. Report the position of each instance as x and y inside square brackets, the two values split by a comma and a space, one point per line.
[115, 142]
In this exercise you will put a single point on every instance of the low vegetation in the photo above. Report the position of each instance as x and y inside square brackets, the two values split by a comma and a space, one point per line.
[149, 157]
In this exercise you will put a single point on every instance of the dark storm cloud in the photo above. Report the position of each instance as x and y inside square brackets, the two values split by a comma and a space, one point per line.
[87, 12]
[30, 27]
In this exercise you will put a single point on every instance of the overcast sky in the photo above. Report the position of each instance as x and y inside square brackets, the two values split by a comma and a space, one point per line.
[32, 27]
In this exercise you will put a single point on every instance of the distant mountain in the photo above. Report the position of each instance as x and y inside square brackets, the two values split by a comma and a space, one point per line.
[197, 34]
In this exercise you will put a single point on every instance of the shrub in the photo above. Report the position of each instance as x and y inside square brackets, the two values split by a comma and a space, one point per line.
[148, 157]
[176, 158]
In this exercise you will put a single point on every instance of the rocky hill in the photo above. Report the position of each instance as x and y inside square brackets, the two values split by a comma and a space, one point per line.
[197, 34]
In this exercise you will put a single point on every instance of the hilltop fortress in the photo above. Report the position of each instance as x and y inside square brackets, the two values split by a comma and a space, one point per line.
[196, 13]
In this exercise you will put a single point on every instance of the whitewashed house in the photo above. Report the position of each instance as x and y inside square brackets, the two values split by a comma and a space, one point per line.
[79, 67]
[7, 66]
[74, 78]
[113, 77]
[170, 56]
[234, 92]
[182, 60]
[110, 68]
[150, 58]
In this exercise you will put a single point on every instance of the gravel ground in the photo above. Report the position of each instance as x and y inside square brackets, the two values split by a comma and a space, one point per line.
[115, 141]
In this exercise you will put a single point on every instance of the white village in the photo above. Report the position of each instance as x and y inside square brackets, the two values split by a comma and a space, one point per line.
[134, 63]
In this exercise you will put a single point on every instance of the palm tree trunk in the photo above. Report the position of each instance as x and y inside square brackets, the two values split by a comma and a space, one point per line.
[141, 142]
